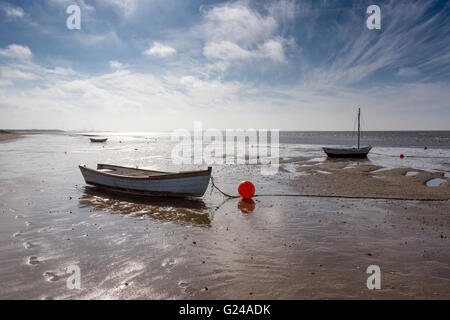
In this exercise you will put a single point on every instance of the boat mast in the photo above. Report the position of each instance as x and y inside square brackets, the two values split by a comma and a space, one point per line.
[359, 114]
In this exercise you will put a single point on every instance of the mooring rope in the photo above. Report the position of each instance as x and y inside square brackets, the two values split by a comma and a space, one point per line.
[222, 192]
[324, 196]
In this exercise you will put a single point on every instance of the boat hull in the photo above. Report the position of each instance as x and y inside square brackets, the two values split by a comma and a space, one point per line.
[347, 152]
[98, 140]
[192, 184]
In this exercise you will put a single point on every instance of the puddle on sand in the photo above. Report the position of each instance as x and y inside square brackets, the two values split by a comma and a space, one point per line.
[376, 177]
[447, 175]
[411, 173]
[436, 182]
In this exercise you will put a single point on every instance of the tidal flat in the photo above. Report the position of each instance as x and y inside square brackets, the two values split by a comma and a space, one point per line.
[218, 248]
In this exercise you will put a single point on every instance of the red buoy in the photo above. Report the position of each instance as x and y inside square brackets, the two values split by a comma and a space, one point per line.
[246, 189]
[401, 156]
[425, 148]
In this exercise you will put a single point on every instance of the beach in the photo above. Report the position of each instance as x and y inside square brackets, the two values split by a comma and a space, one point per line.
[276, 247]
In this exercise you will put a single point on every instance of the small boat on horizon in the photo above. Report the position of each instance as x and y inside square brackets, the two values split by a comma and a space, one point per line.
[351, 152]
[148, 182]
[98, 139]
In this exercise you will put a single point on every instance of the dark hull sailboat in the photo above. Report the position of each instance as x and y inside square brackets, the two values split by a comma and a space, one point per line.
[98, 139]
[350, 152]
[347, 152]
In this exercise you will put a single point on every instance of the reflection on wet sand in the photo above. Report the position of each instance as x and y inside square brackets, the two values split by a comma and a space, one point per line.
[179, 210]
[246, 205]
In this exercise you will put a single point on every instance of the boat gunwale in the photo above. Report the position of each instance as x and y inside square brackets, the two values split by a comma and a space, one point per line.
[186, 174]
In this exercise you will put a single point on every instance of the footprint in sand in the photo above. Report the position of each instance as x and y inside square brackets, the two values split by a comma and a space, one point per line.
[28, 245]
[186, 288]
[17, 234]
[50, 276]
[169, 263]
[124, 285]
[33, 260]
[19, 216]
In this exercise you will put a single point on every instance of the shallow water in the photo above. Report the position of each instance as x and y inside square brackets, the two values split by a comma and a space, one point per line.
[435, 182]
[191, 249]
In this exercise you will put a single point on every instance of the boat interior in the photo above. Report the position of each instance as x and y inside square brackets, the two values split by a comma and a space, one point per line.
[126, 171]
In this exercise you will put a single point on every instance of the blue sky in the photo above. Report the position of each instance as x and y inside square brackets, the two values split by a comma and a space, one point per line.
[139, 65]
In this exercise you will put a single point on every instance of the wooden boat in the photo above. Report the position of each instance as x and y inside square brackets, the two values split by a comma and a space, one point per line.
[352, 152]
[147, 182]
[98, 139]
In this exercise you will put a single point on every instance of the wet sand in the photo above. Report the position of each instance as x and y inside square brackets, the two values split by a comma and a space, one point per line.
[211, 248]
[337, 178]
[7, 136]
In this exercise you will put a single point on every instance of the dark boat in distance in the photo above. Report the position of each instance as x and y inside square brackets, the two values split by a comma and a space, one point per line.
[351, 152]
[148, 182]
[98, 139]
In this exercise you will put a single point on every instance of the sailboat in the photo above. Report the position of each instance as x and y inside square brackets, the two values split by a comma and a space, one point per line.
[352, 152]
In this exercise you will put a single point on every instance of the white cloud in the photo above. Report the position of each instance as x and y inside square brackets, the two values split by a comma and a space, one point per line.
[11, 11]
[126, 100]
[16, 51]
[273, 49]
[160, 50]
[236, 22]
[225, 50]
[125, 7]
[119, 100]
[234, 31]
[284, 11]
[5, 83]
[116, 64]
[11, 73]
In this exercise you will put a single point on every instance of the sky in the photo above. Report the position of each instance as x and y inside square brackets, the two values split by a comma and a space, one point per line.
[156, 65]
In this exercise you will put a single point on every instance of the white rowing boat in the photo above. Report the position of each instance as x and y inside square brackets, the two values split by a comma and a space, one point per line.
[148, 182]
